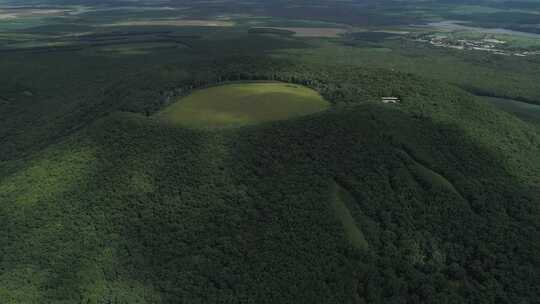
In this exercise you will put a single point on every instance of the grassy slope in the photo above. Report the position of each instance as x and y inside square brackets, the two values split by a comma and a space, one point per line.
[240, 104]
[339, 204]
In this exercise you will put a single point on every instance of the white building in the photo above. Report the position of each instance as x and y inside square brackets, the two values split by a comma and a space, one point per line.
[390, 100]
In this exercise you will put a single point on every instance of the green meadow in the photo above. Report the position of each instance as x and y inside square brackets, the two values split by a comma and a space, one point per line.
[242, 104]
[352, 232]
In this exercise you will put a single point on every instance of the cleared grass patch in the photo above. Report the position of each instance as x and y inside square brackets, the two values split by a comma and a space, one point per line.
[352, 231]
[324, 32]
[174, 22]
[16, 13]
[242, 104]
[138, 48]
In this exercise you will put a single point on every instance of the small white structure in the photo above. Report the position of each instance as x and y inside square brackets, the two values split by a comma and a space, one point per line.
[390, 100]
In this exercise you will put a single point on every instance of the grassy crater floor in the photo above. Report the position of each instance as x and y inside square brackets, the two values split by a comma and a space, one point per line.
[242, 104]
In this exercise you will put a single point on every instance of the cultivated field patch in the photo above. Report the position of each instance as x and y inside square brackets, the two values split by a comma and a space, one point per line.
[325, 32]
[138, 48]
[174, 22]
[242, 104]
[16, 13]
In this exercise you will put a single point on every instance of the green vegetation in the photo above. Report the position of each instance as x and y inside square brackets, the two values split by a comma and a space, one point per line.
[131, 209]
[339, 203]
[477, 72]
[269, 30]
[241, 104]
[105, 199]
[428, 178]
[525, 111]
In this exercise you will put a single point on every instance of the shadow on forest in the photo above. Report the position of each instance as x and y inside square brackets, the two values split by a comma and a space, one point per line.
[171, 214]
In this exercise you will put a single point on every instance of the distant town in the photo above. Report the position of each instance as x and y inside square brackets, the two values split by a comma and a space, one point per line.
[491, 45]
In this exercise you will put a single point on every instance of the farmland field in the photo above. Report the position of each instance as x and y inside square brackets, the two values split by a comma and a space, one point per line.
[174, 22]
[313, 31]
[241, 104]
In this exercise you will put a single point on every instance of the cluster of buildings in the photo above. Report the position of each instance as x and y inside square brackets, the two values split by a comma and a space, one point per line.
[488, 45]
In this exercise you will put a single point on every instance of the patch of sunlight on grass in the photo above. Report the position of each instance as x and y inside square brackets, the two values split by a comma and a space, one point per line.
[242, 104]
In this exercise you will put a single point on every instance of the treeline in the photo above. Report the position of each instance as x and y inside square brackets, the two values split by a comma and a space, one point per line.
[343, 86]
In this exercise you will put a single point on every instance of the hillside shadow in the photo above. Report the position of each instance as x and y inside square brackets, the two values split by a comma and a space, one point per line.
[171, 214]
[488, 212]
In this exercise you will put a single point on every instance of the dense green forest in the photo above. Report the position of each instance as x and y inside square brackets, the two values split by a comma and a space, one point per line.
[127, 209]
[434, 199]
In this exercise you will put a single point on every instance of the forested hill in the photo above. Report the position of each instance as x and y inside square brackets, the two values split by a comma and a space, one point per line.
[435, 199]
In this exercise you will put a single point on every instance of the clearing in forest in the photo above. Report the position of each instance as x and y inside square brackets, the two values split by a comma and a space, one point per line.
[243, 103]
[353, 233]
[174, 22]
[324, 32]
